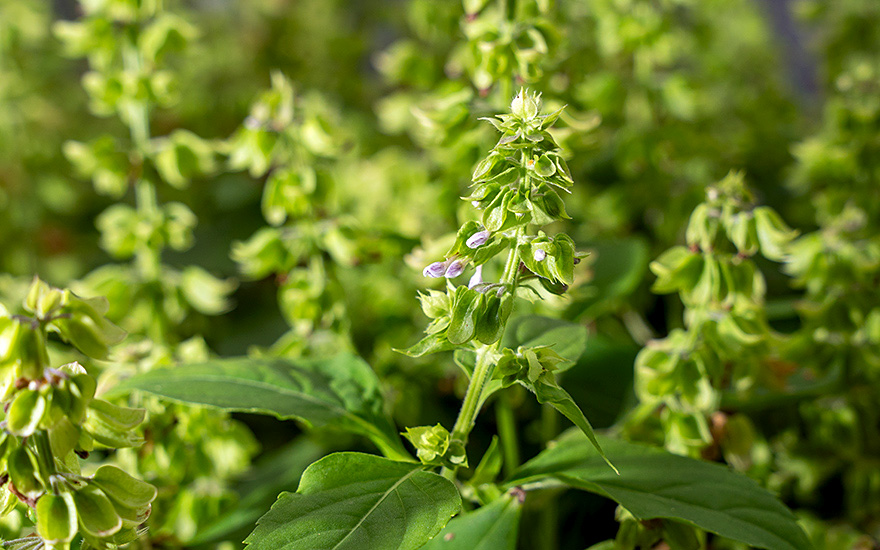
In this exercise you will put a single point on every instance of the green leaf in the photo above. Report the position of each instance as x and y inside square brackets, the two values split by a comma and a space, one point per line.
[567, 339]
[341, 391]
[548, 391]
[654, 483]
[492, 318]
[492, 527]
[433, 343]
[490, 465]
[351, 501]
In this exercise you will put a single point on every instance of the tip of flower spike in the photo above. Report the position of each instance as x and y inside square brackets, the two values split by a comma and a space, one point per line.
[526, 105]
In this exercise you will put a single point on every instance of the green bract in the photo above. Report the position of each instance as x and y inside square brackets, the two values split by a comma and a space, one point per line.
[52, 416]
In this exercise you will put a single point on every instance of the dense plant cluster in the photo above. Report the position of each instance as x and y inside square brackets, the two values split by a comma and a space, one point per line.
[435, 235]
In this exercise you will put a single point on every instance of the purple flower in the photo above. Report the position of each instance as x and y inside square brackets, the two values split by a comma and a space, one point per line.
[539, 255]
[454, 270]
[477, 279]
[435, 270]
[478, 239]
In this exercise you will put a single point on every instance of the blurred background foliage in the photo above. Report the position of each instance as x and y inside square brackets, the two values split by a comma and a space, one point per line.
[309, 156]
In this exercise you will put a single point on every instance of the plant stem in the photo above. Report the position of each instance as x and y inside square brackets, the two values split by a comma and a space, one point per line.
[148, 256]
[45, 457]
[507, 433]
[548, 523]
[472, 397]
[485, 364]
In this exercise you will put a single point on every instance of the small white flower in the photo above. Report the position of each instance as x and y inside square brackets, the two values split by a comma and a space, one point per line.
[454, 270]
[539, 255]
[435, 270]
[477, 279]
[478, 239]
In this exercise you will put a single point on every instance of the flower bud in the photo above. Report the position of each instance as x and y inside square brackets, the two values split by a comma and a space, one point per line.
[435, 270]
[477, 279]
[525, 106]
[478, 239]
[454, 270]
[539, 255]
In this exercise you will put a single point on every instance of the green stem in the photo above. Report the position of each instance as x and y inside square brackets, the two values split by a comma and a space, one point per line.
[472, 397]
[45, 458]
[136, 114]
[148, 255]
[485, 365]
[548, 525]
[507, 433]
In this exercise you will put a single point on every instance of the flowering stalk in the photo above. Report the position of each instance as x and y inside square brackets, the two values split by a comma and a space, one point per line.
[52, 419]
[723, 350]
[128, 78]
[515, 188]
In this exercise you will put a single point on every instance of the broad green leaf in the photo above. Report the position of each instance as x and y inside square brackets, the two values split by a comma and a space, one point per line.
[492, 527]
[567, 339]
[352, 501]
[654, 483]
[341, 391]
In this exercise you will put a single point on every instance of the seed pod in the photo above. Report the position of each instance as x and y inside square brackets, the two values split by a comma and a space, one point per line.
[28, 350]
[97, 515]
[82, 389]
[23, 473]
[26, 412]
[112, 425]
[56, 518]
[124, 489]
